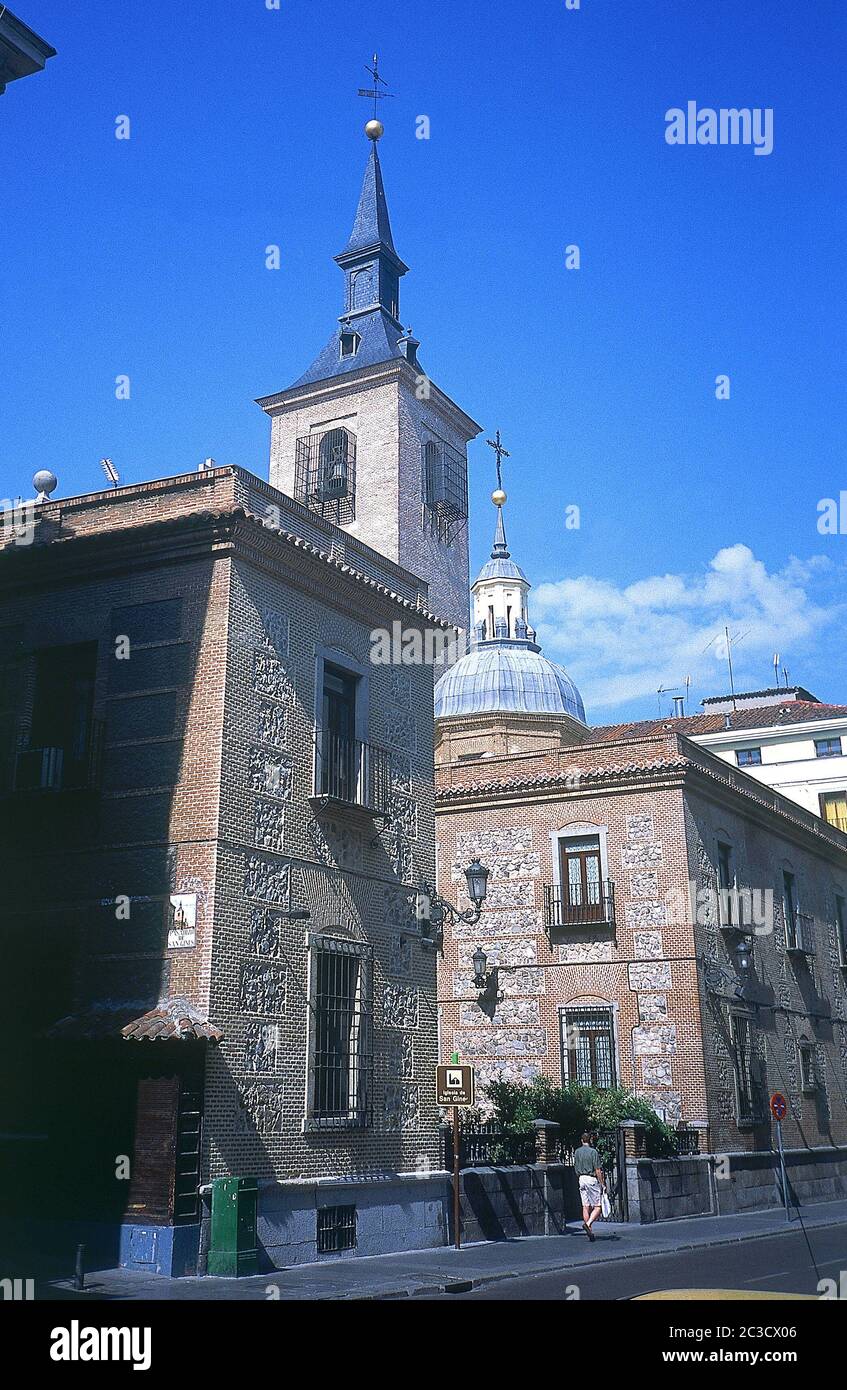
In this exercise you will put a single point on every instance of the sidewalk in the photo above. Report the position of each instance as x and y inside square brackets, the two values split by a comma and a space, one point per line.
[434, 1271]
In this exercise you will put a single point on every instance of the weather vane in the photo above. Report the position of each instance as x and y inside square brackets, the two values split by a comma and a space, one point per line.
[501, 454]
[374, 127]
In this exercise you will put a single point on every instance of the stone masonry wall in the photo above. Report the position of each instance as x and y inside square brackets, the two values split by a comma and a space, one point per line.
[633, 971]
[791, 998]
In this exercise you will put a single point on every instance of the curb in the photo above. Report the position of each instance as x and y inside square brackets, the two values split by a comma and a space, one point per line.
[482, 1281]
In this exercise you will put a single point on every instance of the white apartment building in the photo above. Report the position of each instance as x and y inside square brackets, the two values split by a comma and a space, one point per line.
[785, 738]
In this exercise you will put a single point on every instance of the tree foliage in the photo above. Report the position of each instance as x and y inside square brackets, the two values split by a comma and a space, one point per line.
[576, 1109]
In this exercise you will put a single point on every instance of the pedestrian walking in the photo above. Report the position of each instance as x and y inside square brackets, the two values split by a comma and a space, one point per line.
[592, 1183]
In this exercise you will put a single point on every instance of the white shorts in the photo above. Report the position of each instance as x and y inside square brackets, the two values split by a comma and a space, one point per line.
[590, 1191]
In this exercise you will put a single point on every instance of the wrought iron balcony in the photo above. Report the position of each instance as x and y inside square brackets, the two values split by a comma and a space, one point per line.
[577, 906]
[56, 769]
[800, 934]
[349, 772]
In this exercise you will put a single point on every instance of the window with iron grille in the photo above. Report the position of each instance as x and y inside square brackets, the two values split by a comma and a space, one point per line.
[841, 929]
[588, 1047]
[445, 487]
[748, 1088]
[726, 885]
[325, 474]
[341, 1062]
[808, 1079]
[834, 809]
[336, 1229]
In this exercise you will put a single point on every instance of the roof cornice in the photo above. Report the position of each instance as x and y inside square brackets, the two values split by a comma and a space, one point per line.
[379, 373]
[175, 540]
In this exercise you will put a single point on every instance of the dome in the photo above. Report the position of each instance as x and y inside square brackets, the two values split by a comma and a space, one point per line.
[507, 677]
[499, 568]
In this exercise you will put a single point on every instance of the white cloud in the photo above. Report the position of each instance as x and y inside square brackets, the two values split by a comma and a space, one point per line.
[621, 644]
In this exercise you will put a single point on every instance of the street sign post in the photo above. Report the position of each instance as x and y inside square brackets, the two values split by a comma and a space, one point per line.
[779, 1110]
[454, 1085]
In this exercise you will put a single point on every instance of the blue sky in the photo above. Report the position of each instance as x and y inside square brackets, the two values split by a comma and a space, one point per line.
[547, 129]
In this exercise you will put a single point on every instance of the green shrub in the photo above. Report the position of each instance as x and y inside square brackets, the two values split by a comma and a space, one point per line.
[576, 1109]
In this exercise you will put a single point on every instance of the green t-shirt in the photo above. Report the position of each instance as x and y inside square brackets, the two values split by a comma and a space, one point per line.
[585, 1161]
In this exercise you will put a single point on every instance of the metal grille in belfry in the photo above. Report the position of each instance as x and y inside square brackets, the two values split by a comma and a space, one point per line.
[588, 1049]
[445, 487]
[325, 474]
[343, 1057]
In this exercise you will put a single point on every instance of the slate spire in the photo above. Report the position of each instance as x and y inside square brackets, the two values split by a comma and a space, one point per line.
[372, 226]
[500, 550]
[370, 262]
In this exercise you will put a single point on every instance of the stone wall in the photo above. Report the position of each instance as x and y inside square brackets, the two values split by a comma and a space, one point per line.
[355, 874]
[641, 968]
[814, 1175]
[718, 1185]
[661, 1189]
[414, 1211]
[790, 998]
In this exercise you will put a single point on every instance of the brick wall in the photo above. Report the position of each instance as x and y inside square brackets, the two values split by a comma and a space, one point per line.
[390, 424]
[659, 808]
[207, 775]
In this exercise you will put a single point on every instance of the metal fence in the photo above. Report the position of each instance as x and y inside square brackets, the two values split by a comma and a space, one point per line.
[687, 1142]
[486, 1146]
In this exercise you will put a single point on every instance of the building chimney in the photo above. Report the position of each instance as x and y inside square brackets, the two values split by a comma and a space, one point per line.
[679, 706]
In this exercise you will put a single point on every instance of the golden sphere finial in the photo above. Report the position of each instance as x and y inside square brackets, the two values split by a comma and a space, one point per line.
[374, 129]
[498, 497]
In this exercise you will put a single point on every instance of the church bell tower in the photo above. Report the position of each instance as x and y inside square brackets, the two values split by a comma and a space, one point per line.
[364, 437]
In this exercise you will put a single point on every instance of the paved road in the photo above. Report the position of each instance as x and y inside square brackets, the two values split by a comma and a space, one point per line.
[775, 1264]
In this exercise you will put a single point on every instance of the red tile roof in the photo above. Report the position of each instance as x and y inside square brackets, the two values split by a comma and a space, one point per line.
[755, 717]
[170, 1020]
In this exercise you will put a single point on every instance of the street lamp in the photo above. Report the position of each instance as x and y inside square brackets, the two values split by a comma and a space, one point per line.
[480, 967]
[432, 909]
[476, 876]
[743, 952]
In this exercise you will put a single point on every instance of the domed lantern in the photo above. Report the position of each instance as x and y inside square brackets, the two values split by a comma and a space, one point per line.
[479, 961]
[476, 875]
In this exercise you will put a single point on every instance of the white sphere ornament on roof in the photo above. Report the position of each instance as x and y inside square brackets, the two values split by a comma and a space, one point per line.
[44, 483]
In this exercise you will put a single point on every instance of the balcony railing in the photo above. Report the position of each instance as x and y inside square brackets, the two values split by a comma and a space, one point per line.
[353, 773]
[800, 934]
[569, 906]
[56, 769]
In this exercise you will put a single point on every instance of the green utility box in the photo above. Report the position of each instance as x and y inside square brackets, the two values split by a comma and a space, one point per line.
[232, 1249]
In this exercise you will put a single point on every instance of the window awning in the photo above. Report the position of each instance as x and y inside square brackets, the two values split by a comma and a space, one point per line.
[171, 1020]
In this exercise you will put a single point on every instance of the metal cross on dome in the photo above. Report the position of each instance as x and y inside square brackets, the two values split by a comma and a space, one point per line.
[501, 453]
[373, 92]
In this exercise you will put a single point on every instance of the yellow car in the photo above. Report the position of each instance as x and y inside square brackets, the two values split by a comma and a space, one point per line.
[717, 1295]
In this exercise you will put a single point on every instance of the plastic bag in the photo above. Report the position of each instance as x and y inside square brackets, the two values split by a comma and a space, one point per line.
[605, 1206]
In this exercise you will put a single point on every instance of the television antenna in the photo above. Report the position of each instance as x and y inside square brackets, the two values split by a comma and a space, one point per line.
[111, 471]
[730, 641]
[674, 690]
